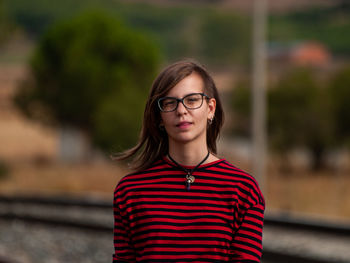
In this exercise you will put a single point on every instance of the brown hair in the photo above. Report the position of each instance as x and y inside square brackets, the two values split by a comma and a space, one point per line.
[153, 141]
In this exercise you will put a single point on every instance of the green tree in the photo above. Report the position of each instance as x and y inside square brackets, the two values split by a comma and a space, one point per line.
[6, 26]
[340, 96]
[92, 73]
[299, 115]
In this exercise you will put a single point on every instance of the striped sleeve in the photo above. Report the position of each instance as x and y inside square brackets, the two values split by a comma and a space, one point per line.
[247, 242]
[124, 252]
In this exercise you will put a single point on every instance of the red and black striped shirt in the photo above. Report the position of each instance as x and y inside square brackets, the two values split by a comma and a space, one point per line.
[157, 219]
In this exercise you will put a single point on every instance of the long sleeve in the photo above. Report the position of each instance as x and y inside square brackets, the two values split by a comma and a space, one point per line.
[123, 250]
[249, 214]
[247, 244]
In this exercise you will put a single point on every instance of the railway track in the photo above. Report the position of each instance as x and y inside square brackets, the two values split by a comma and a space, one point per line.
[90, 214]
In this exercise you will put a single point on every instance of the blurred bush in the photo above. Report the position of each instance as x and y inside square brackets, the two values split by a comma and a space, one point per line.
[6, 25]
[93, 73]
[299, 115]
[339, 90]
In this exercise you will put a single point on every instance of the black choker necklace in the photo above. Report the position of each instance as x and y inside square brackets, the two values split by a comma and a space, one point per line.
[189, 177]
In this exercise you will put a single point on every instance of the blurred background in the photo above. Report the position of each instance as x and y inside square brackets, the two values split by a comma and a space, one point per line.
[74, 76]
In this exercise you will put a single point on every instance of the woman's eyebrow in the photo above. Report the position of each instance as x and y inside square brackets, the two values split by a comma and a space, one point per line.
[167, 96]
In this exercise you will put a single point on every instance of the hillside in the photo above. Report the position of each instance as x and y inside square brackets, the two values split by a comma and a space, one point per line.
[275, 6]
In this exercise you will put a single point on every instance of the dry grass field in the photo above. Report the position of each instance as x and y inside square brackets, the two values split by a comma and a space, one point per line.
[320, 195]
[97, 179]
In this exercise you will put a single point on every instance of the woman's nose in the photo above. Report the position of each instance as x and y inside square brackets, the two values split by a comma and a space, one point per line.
[181, 109]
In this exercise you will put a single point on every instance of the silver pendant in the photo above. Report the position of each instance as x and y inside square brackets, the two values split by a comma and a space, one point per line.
[190, 178]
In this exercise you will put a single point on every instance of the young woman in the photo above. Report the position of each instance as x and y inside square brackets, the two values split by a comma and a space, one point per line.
[183, 203]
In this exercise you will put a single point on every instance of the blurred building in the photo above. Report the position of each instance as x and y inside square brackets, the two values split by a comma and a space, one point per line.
[309, 53]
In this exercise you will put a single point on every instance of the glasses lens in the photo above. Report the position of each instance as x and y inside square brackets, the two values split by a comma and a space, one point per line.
[193, 101]
[167, 104]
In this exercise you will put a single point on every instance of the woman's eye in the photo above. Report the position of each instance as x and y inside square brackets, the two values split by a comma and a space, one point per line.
[191, 100]
[168, 103]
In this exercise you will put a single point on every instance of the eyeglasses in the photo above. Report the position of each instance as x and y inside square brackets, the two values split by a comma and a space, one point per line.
[191, 101]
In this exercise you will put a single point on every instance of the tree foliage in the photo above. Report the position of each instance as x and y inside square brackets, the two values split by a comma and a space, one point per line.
[339, 90]
[328, 25]
[299, 114]
[6, 26]
[93, 73]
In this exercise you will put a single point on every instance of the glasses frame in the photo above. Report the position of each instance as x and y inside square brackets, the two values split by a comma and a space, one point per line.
[182, 101]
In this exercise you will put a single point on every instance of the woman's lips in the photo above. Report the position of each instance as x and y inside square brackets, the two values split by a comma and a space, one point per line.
[184, 125]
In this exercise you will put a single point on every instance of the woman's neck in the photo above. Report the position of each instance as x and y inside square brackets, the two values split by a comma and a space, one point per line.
[189, 156]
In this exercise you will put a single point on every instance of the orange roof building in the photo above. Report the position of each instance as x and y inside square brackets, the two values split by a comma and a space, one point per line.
[301, 54]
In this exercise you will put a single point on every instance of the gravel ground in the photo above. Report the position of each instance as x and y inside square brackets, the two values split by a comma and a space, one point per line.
[27, 243]
[308, 243]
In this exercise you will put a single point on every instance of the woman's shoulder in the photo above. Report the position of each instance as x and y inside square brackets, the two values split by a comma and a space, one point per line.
[227, 167]
[239, 177]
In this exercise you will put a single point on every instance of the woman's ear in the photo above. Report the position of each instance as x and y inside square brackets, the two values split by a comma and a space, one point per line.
[211, 107]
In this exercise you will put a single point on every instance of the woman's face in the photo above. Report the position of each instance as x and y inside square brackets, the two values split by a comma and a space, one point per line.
[188, 125]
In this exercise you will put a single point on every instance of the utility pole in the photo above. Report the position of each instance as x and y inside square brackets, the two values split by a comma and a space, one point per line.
[259, 93]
